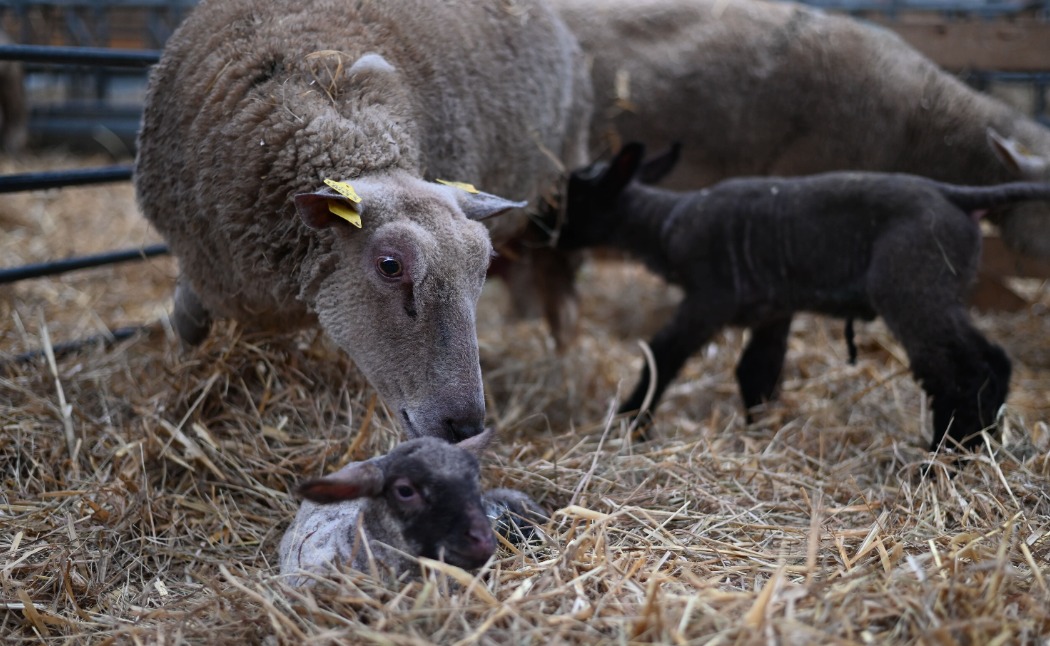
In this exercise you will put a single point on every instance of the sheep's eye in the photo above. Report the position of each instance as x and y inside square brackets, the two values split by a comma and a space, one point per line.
[405, 491]
[389, 266]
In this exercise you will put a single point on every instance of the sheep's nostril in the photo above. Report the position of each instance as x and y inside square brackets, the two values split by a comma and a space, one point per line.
[459, 430]
[482, 541]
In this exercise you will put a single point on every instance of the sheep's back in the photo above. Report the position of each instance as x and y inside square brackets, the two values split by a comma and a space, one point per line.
[778, 88]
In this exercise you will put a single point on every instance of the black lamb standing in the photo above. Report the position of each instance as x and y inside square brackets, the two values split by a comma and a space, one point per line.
[751, 252]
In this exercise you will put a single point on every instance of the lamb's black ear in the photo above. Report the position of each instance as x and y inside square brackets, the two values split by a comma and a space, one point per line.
[364, 479]
[622, 168]
[656, 168]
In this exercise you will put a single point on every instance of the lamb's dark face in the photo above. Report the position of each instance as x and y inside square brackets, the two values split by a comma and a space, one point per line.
[591, 197]
[399, 296]
[433, 491]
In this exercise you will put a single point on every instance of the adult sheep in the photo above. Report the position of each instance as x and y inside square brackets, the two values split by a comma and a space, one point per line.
[255, 104]
[14, 112]
[776, 88]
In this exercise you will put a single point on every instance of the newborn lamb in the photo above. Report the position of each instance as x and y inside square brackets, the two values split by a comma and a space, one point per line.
[422, 499]
[753, 251]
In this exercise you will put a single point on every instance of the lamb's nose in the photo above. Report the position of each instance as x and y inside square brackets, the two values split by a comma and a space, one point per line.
[481, 541]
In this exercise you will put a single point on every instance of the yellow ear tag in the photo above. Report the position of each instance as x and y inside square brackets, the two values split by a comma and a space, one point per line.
[345, 212]
[463, 186]
[345, 190]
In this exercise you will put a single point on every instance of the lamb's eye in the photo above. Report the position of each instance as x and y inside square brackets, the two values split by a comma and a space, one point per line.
[405, 491]
[389, 266]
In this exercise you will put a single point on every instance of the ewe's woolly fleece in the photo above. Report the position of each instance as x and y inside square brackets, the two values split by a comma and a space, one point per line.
[250, 105]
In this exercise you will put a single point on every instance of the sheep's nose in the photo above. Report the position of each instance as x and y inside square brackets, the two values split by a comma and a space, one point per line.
[463, 427]
[481, 540]
[452, 426]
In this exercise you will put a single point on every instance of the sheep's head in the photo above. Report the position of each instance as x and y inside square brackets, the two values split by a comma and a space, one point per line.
[399, 294]
[593, 191]
[426, 499]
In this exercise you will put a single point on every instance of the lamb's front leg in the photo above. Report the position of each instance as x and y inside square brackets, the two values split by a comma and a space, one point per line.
[758, 371]
[694, 323]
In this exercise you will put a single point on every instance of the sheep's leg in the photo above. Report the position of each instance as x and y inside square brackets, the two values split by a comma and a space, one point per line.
[691, 327]
[966, 376]
[555, 276]
[14, 114]
[542, 280]
[969, 399]
[192, 320]
[758, 371]
[971, 402]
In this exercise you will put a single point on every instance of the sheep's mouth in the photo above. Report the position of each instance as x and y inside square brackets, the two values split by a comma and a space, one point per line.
[466, 560]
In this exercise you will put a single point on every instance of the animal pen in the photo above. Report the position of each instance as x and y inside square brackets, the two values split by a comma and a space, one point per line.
[144, 488]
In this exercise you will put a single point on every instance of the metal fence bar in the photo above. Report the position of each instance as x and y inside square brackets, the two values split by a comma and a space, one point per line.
[101, 56]
[69, 347]
[42, 269]
[60, 178]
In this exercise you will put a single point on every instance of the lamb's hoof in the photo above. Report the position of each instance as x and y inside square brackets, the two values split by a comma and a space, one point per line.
[192, 322]
[515, 516]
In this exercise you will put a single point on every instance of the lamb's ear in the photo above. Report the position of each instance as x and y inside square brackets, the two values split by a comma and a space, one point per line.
[622, 168]
[477, 205]
[324, 209]
[364, 479]
[656, 168]
[476, 445]
[1021, 161]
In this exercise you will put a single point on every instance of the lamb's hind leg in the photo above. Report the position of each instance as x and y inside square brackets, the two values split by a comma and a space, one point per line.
[758, 371]
[192, 321]
[966, 376]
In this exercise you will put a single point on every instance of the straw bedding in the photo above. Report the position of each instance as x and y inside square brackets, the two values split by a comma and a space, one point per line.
[144, 489]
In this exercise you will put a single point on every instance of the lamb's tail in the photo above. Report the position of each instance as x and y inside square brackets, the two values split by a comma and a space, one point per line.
[976, 198]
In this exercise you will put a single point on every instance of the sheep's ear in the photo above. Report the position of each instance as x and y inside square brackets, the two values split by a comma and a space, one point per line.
[370, 63]
[622, 169]
[656, 168]
[1021, 161]
[476, 445]
[323, 209]
[364, 479]
[483, 205]
[477, 205]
